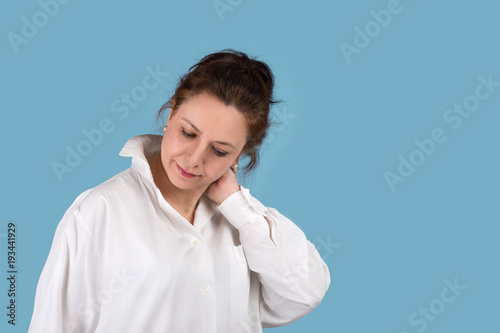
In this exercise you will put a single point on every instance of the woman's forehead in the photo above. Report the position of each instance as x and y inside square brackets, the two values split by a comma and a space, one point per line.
[209, 116]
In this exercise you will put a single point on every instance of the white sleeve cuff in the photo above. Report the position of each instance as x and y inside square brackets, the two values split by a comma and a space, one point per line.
[240, 208]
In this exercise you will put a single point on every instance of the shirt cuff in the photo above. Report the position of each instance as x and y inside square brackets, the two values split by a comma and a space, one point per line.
[240, 208]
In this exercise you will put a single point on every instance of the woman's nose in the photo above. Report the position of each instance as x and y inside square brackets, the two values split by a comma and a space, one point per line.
[195, 156]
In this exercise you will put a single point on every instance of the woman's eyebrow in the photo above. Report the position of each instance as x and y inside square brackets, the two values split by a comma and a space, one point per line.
[197, 130]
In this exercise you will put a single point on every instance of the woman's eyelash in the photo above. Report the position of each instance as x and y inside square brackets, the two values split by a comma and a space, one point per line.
[220, 153]
[191, 136]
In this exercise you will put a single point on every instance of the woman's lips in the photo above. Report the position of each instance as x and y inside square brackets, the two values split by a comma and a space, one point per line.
[184, 172]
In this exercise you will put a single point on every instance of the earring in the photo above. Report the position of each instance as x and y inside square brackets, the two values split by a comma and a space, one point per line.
[235, 168]
[164, 128]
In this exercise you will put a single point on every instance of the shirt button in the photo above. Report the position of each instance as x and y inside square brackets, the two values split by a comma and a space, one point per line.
[207, 288]
[196, 242]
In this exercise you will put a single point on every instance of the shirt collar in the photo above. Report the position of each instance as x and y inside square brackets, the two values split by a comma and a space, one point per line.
[142, 147]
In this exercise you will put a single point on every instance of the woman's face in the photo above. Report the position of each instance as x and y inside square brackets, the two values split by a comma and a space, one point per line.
[205, 138]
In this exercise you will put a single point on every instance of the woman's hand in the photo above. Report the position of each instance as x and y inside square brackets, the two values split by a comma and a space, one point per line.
[223, 187]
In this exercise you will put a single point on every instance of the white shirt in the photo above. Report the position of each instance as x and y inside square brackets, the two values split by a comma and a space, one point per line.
[123, 260]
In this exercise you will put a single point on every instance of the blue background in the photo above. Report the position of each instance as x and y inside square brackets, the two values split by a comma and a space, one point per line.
[346, 120]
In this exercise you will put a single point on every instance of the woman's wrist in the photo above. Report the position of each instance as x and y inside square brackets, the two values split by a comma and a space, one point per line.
[227, 194]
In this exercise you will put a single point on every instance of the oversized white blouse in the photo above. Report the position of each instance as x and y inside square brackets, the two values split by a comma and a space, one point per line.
[123, 260]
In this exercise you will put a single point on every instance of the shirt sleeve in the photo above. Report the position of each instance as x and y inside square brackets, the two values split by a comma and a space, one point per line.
[293, 277]
[70, 276]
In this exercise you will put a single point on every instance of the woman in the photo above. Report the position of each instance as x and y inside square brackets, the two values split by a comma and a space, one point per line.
[174, 244]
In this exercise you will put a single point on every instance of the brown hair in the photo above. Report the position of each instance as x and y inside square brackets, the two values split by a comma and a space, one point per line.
[236, 80]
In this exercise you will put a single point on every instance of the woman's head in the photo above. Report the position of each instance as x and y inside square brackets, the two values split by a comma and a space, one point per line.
[230, 81]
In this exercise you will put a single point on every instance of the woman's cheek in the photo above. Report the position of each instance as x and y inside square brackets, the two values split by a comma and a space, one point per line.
[221, 172]
[174, 145]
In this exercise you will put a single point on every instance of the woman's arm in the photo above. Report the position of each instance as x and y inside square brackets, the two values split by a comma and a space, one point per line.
[69, 277]
[293, 276]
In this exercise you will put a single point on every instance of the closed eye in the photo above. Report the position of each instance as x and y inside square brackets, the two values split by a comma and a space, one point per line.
[192, 136]
[189, 135]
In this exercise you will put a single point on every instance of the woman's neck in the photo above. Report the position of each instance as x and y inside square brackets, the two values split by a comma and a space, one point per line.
[183, 201]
